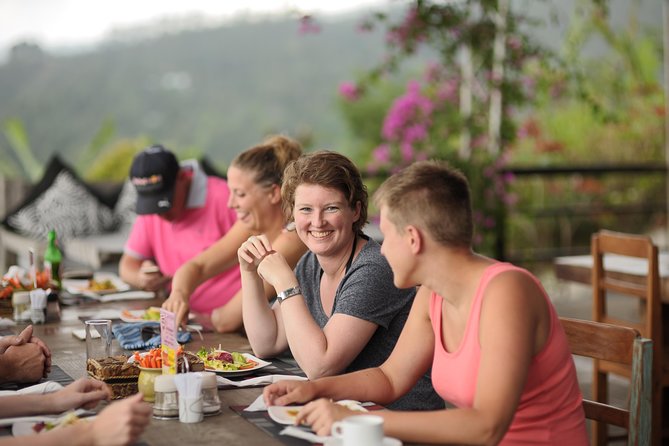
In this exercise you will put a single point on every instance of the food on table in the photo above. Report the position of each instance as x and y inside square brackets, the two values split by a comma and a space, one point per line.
[153, 359]
[149, 360]
[152, 314]
[20, 279]
[67, 420]
[221, 360]
[195, 363]
[292, 413]
[101, 285]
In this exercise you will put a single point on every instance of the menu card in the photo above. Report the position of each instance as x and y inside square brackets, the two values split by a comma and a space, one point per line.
[168, 337]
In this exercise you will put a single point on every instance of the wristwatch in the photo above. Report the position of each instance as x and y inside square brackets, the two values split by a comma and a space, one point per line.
[290, 292]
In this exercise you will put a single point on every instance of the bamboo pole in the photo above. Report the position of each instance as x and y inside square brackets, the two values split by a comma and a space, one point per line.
[665, 11]
[499, 54]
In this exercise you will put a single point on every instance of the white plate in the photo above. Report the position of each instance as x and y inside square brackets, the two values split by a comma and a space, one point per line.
[22, 428]
[283, 414]
[387, 441]
[259, 366]
[286, 414]
[77, 286]
[134, 316]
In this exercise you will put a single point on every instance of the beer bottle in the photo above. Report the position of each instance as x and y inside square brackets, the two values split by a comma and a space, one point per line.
[52, 259]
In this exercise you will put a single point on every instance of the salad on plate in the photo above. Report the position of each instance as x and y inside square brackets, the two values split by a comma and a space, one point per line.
[218, 360]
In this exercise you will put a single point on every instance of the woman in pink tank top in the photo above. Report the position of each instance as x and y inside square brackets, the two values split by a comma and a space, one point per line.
[487, 329]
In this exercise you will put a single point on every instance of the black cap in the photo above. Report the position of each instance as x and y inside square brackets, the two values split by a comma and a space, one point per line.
[153, 173]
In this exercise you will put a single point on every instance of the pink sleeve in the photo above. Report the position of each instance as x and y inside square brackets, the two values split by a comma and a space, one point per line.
[139, 243]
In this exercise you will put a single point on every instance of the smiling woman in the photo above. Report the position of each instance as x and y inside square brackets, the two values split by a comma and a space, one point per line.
[338, 311]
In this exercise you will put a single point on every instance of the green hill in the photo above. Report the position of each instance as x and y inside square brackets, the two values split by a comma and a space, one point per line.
[216, 91]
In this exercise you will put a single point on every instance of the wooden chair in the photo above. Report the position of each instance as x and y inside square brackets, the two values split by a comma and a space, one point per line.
[647, 290]
[620, 345]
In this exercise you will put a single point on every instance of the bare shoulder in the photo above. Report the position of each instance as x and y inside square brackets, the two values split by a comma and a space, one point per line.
[513, 288]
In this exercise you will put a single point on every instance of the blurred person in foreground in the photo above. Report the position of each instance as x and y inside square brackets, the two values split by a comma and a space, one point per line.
[254, 178]
[338, 311]
[120, 423]
[24, 358]
[487, 328]
[181, 212]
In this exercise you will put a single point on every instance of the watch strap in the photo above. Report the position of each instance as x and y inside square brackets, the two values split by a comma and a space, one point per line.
[290, 292]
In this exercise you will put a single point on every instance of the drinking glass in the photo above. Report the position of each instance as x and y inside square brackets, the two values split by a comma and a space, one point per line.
[98, 338]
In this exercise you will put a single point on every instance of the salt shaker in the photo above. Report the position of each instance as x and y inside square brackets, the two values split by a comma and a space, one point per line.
[211, 403]
[166, 404]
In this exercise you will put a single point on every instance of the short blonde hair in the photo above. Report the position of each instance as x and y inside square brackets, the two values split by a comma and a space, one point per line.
[432, 195]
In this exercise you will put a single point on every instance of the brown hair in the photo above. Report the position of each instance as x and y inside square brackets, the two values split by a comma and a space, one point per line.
[432, 195]
[269, 159]
[327, 169]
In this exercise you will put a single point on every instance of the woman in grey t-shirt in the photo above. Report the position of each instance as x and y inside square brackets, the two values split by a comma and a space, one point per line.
[339, 310]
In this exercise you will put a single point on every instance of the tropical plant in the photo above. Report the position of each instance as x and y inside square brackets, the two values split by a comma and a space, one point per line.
[461, 108]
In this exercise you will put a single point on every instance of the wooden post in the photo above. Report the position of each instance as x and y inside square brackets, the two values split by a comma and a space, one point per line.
[665, 10]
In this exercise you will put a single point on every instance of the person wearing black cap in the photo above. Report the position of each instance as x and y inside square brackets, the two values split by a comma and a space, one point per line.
[180, 212]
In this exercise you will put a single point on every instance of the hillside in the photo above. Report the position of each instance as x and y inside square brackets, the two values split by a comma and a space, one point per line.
[214, 90]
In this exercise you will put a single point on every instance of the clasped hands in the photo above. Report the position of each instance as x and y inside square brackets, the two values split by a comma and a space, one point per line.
[24, 357]
[256, 255]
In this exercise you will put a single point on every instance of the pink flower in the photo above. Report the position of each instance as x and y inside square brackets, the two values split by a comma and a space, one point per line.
[407, 152]
[308, 25]
[448, 91]
[349, 91]
[408, 109]
[382, 154]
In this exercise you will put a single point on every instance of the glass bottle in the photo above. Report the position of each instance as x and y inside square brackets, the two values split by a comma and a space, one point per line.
[52, 259]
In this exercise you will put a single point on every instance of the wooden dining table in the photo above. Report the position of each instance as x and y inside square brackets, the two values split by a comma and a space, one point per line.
[69, 353]
[579, 269]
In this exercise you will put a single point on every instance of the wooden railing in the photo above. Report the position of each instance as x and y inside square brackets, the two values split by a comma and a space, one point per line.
[567, 241]
[619, 214]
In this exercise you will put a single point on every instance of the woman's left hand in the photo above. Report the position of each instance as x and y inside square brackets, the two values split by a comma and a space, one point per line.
[275, 270]
[321, 413]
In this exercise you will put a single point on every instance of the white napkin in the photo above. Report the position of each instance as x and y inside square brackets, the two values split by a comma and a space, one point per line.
[297, 432]
[257, 381]
[107, 313]
[127, 295]
[257, 405]
[41, 388]
[6, 323]
[189, 385]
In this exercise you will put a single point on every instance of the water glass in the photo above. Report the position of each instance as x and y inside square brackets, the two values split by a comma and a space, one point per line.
[98, 338]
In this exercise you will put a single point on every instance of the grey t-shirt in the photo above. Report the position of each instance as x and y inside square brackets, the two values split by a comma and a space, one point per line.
[367, 292]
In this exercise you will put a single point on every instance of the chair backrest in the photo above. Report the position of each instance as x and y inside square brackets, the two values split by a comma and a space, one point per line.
[621, 345]
[644, 284]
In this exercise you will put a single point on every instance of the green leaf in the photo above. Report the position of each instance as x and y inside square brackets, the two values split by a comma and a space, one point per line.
[18, 142]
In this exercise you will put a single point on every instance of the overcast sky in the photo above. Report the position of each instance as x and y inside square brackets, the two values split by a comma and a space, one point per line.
[52, 23]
